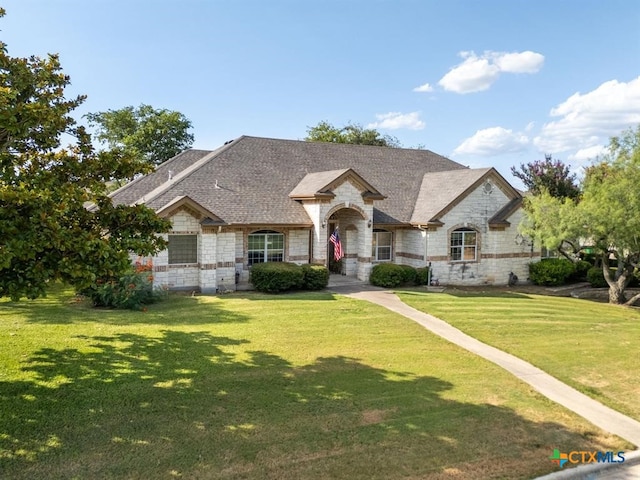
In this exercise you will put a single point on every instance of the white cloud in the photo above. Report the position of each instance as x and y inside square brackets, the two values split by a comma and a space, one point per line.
[493, 141]
[397, 120]
[523, 62]
[478, 73]
[585, 154]
[424, 88]
[587, 120]
[473, 75]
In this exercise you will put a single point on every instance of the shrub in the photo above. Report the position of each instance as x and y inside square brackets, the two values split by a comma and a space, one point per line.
[316, 277]
[595, 276]
[408, 274]
[131, 291]
[581, 269]
[551, 271]
[386, 275]
[422, 276]
[274, 277]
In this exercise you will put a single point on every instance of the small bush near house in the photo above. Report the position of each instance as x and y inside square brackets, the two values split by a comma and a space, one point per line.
[422, 276]
[316, 277]
[131, 292]
[387, 275]
[408, 274]
[275, 277]
[551, 271]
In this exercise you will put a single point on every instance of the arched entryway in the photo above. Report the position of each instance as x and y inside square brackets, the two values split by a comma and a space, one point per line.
[350, 223]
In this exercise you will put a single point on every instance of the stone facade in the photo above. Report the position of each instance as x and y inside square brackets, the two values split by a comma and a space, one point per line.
[499, 251]
[223, 260]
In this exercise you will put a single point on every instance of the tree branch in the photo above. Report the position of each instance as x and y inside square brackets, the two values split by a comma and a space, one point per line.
[632, 300]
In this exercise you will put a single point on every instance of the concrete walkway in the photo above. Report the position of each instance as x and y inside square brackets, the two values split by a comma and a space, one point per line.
[604, 417]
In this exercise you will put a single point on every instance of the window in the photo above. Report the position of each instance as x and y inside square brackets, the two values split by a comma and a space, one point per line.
[183, 249]
[464, 245]
[265, 246]
[546, 253]
[381, 245]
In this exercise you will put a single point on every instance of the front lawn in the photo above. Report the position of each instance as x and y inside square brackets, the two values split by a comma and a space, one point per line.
[591, 346]
[254, 386]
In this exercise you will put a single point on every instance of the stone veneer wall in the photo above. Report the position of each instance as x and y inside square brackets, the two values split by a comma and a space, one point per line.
[184, 276]
[498, 253]
[221, 253]
[409, 247]
[297, 241]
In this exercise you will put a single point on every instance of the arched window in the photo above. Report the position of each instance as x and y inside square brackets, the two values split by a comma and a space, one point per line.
[265, 246]
[381, 246]
[464, 245]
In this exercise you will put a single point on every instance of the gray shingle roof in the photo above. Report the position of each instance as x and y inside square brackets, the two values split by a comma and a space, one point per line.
[439, 189]
[248, 181]
[133, 191]
[312, 183]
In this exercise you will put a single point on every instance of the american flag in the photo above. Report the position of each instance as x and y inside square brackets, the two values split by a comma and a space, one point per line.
[337, 245]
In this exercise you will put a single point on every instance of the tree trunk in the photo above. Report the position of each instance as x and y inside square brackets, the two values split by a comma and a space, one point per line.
[616, 285]
[616, 294]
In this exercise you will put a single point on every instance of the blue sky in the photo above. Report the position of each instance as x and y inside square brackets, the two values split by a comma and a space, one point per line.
[486, 83]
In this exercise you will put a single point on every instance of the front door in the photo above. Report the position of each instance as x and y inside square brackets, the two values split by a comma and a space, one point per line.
[335, 266]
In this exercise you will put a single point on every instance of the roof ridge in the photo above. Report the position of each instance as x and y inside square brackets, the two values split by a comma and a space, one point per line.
[184, 173]
[297, 140]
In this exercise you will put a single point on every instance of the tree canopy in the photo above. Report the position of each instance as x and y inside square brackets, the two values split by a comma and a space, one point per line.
[351, 133]
[47, 231]
[550, 175]
[606, 215]
[152, 135]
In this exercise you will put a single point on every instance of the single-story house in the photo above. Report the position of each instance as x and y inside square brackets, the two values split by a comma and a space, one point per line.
[260, 199]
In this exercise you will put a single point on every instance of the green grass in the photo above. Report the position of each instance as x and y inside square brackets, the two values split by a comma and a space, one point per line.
[593, 347]
[256, 386]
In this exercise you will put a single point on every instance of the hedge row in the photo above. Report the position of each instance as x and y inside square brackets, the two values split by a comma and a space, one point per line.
[551, 271]
[390, 275]
[275, 277]
[558, 271]
[595, 276]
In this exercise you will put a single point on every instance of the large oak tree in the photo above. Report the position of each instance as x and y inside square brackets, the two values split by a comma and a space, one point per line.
[151, 135]
[352, 133]
[56, 220]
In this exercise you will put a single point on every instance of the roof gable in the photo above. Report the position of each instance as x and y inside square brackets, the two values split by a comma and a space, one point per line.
[442, 191]
[190, 206]
[500, 219]
[321, 185]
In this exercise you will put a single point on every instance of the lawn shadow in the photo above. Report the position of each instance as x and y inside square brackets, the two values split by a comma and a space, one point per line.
[173, 310]
[318, 295]
[200, 406]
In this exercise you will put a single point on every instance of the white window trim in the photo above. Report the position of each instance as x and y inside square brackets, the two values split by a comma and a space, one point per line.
[462, 246]
[375, 246]
[265, 250]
